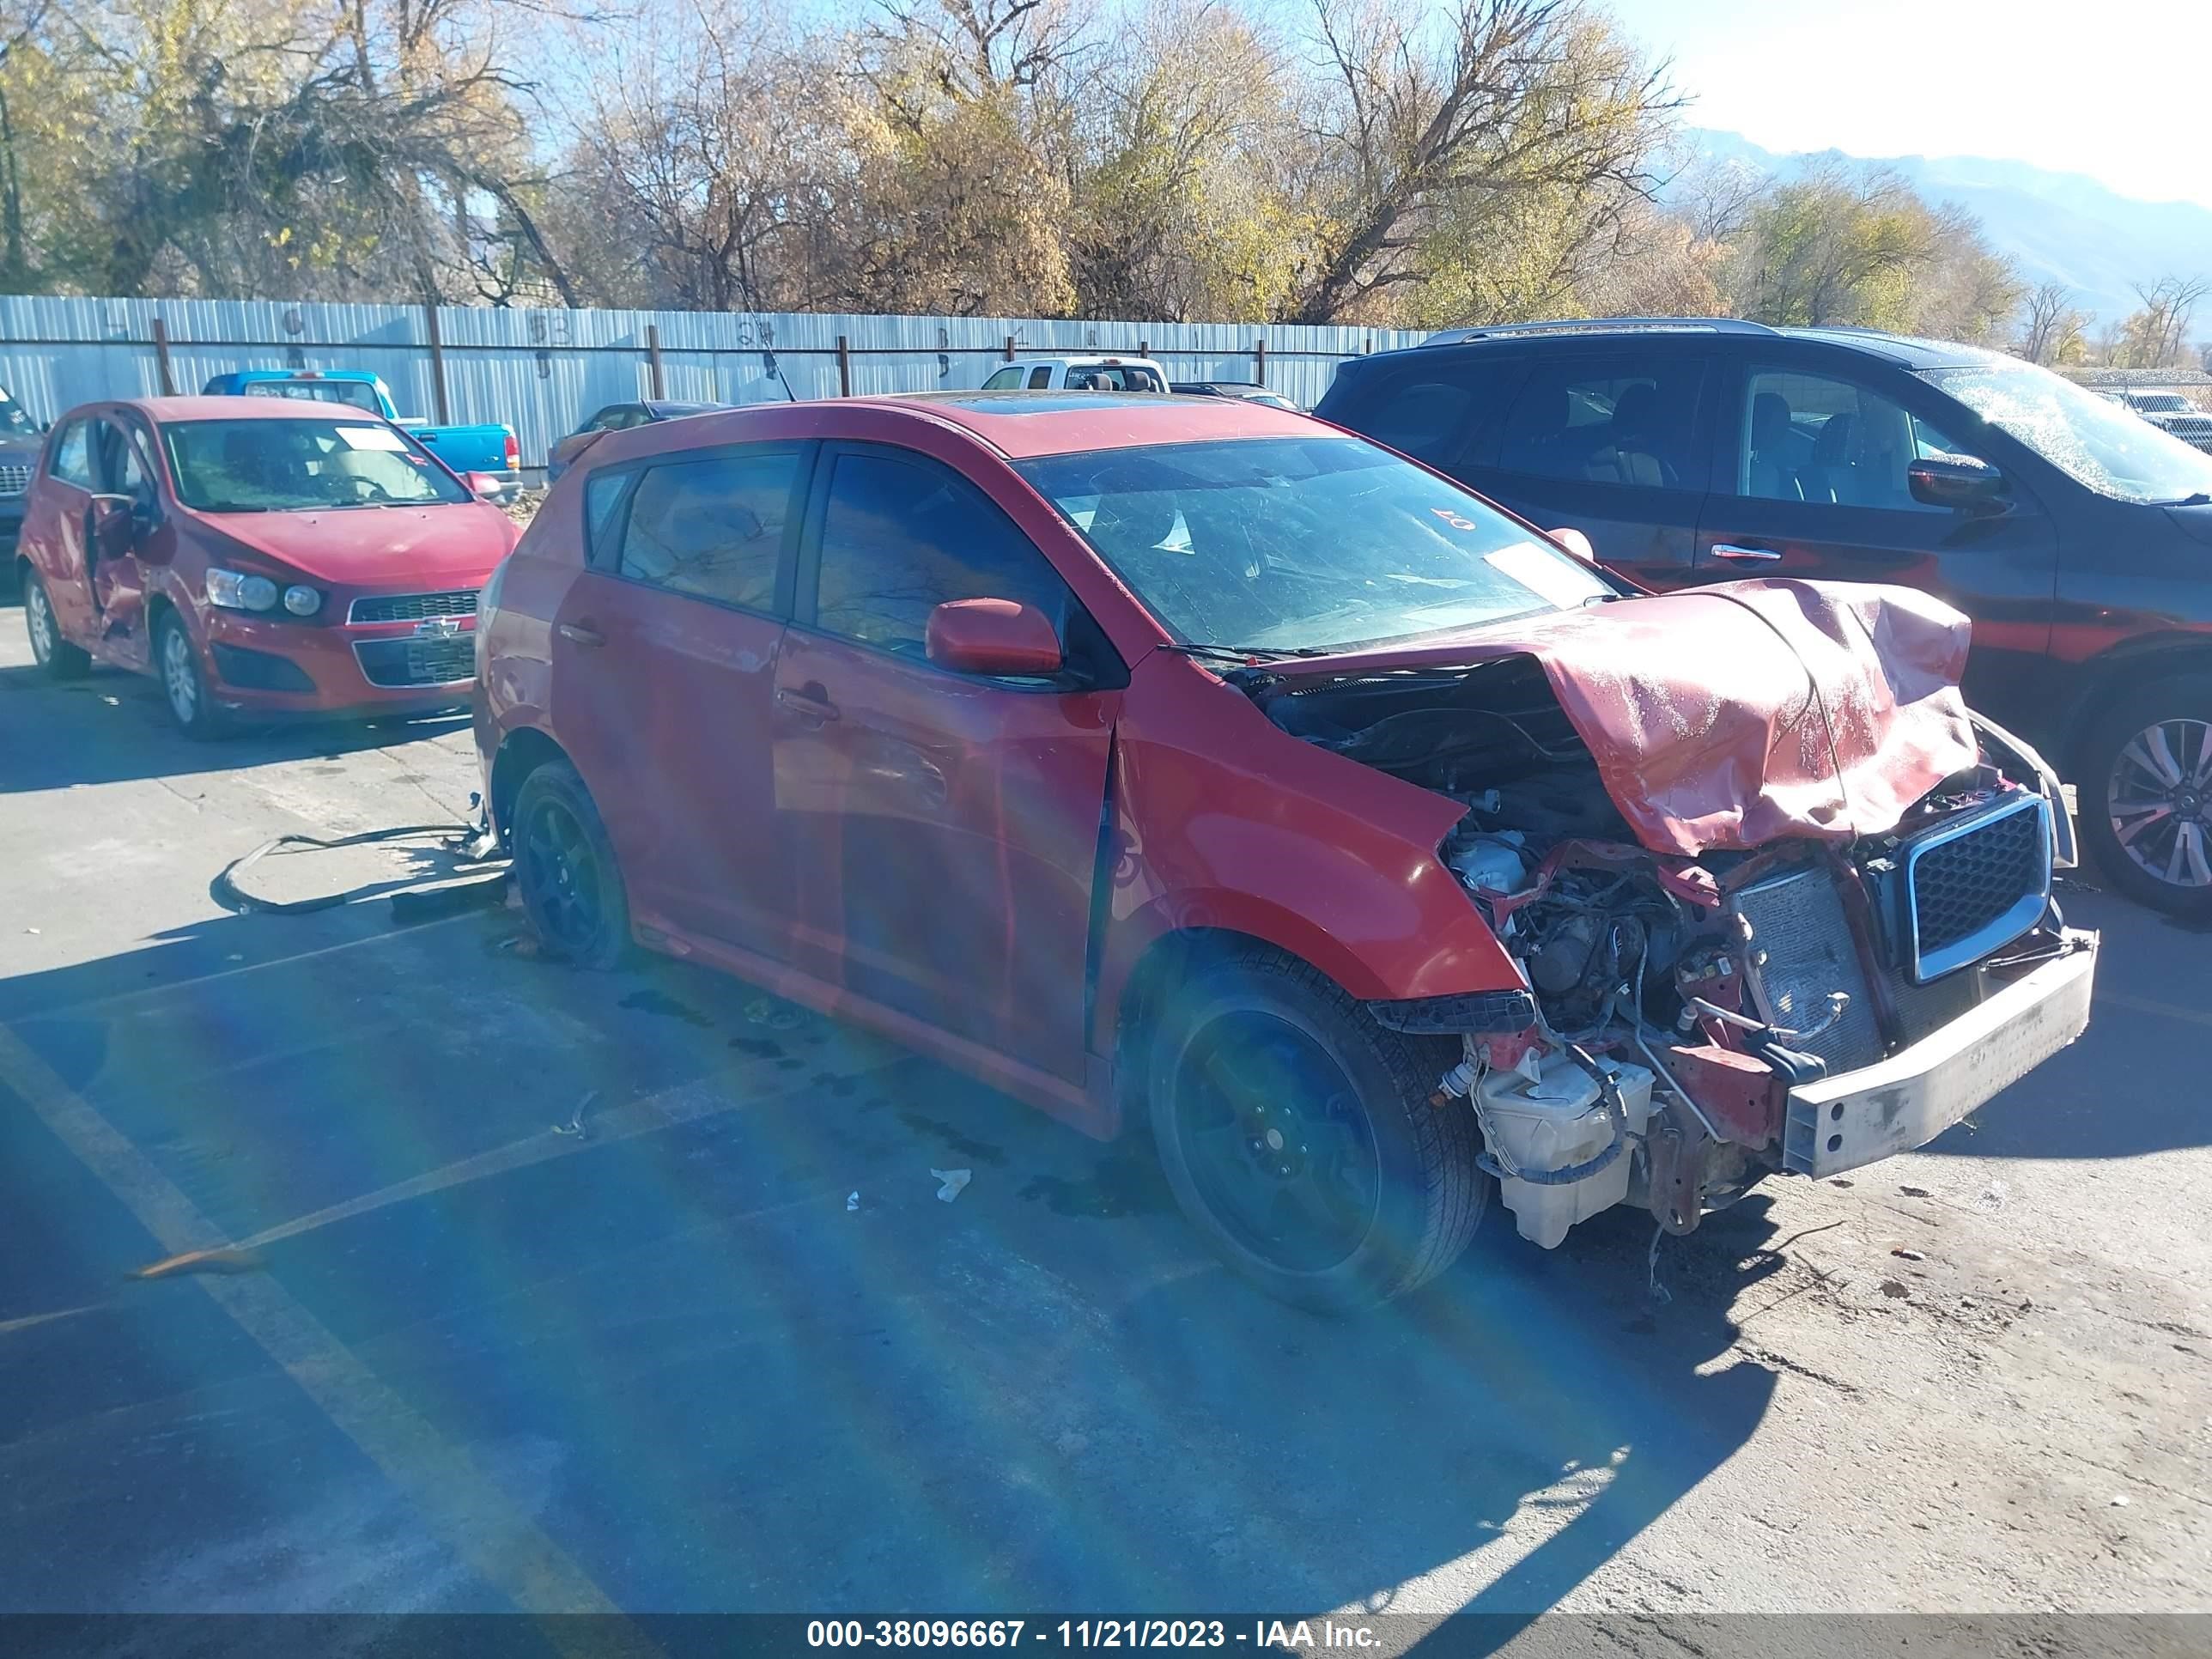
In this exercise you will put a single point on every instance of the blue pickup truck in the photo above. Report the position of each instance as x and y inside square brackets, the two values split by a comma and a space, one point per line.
[490, 447]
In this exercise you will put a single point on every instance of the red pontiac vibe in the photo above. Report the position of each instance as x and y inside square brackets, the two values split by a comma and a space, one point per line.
[1192, 763]
[259, 556]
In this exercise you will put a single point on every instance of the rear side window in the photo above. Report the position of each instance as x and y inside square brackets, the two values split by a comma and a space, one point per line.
[603, 494]
[72, 462]
[1607, 421]
[712, 527]
[1040, 379]
[1437, 413]
[901, 536]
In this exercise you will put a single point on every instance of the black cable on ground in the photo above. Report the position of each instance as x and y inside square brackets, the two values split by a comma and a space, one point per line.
[459, 838]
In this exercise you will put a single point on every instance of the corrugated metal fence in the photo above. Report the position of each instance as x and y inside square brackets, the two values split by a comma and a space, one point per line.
[542, 372]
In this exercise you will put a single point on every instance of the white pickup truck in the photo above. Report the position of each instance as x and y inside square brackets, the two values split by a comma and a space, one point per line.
[1078, 374]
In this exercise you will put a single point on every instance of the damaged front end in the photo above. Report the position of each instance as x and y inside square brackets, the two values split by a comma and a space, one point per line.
[1836, 940]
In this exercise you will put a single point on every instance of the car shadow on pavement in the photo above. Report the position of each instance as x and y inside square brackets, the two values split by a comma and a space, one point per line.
[750, 1360]
[111, 727]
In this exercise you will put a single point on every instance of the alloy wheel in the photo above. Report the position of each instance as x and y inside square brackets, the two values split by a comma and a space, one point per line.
[39, 618]
[2160, 801]
[560, 876]
[180, 675]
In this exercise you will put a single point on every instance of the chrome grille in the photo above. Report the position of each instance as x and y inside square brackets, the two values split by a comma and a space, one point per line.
[417, 662]
[14, 480]
[1798, 926]
[1972, 886]
[413, 607]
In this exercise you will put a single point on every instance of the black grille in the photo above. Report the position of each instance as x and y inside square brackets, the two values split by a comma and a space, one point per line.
[418, 662]
[1969, 883]
[414, 607]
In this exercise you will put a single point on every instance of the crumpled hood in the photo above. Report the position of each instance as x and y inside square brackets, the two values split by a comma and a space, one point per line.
[1744, 713]
[450, 544]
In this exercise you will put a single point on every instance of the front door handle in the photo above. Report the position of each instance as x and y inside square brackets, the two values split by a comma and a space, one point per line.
[1731, 551]
[812, 705]
[582, 634]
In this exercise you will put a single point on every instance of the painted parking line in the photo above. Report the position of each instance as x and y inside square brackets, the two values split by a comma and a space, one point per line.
[503, 1544]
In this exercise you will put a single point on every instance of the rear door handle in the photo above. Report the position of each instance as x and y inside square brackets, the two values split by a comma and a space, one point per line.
[811, 704]
[582, 634]
[1744, 554]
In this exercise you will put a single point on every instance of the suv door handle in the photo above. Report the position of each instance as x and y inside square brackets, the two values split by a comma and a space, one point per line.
[812, 705]
[1743, 554]
[581, 634]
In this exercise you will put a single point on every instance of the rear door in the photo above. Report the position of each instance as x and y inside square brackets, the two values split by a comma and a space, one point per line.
[663, 660]
[1615, 442]
[1812, 483]
[941, 830]
[57, 525]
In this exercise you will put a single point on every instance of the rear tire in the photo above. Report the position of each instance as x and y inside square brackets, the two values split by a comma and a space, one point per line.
[183, 683]
[2145, 795]
[564, 866]
[1298, 1136]
[55, 655]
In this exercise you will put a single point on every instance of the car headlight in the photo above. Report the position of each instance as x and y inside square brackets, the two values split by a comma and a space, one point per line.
[235, 590]
[302, 600]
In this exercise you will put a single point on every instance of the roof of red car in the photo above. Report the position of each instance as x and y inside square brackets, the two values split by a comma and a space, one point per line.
[247, 409]
[1026, 423]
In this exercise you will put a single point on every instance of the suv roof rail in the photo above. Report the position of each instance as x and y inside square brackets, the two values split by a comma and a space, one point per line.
[1600, 326]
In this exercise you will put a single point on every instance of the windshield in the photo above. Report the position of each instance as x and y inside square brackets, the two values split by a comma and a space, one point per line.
[2103, 445]
[356, 394]
[292, 466]
[1283, 544]
[12, 418]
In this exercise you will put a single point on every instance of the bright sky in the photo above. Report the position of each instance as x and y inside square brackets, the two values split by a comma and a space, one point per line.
[2115, 88]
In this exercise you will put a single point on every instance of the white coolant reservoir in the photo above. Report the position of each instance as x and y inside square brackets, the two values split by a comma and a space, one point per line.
[1555, 1122]
[1492, 863]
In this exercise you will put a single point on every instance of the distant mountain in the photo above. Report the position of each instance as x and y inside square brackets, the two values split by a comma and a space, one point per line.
[2060, 226]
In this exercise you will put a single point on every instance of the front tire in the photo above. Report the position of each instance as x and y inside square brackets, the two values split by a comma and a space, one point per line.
[184, 685]
[1298, 1136]
[55, 655]
[2146, 794]
[564, 864]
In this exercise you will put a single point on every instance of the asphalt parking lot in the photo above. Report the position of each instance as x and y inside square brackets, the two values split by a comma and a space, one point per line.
[547, 1291]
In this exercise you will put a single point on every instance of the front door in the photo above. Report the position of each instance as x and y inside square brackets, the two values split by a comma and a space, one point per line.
[1816, 487]
[663, 660]
[941, 830]
[120, 522]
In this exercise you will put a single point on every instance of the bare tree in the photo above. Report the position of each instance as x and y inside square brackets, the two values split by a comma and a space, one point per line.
[2156, 336]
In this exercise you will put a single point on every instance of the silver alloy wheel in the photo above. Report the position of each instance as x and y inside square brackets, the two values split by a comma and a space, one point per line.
[40, 621]
[2160, 799]
[180, 678]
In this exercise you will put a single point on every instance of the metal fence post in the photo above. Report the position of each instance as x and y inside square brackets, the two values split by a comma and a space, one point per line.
[652, 360]
[1259, 362]
[844, 366]
[1010, 348]
[162, 358]
[437, 368]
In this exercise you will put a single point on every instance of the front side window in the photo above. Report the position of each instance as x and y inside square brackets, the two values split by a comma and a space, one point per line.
[302, 466]
[2104, 445]
[712, 527]
[123, 464]
[72, 462]
[1607, 421]
[1832, 442]
[1286, 544]
[1004, 379]
[902, 535]
[355, 394]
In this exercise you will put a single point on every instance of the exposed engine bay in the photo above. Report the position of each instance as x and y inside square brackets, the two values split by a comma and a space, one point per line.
[1678, 1007]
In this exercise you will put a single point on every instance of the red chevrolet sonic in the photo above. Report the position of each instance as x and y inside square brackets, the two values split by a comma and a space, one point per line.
[1192, 763]
[259, 556]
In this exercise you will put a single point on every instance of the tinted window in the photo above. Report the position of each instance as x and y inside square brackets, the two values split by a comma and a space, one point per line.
[901, 537]
[72, 462]
[1003, 380]
[603, 494]
[1040, 379]
[1611, 420]
[1433, 412]
[713, 527]
[1832, 442]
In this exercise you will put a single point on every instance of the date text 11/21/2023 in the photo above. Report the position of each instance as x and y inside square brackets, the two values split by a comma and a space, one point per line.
[1288, 1634]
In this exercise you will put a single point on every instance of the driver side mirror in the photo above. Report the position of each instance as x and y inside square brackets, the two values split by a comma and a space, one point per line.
[994, 638]
[484, 486]
[1576, 543]
[1958, 481]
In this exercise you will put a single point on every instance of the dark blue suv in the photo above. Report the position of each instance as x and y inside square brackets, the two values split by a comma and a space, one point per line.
[2077, 536]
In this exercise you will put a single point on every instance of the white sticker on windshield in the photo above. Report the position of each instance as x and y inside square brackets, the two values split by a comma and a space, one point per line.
[372, 437]
[1552, 577]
